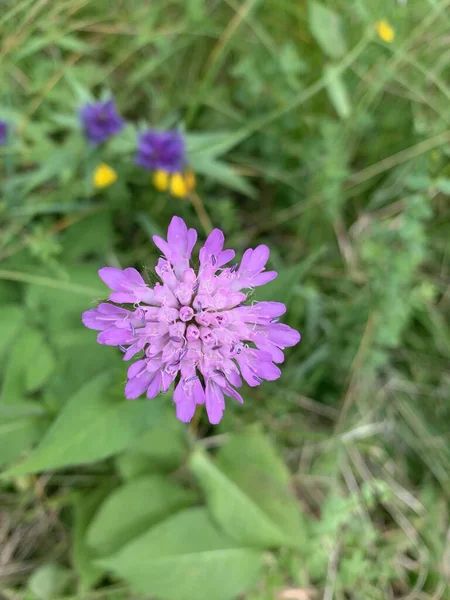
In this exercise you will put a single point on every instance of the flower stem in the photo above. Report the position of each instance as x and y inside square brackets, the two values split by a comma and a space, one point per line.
[200, 210]
[193, 425]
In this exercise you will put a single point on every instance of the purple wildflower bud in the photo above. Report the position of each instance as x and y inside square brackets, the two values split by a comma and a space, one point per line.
[101, 121]
[248, 335]
[161, 151]
[3, 133]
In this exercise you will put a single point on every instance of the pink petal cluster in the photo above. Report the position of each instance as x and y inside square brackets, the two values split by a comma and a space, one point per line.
[194, 328]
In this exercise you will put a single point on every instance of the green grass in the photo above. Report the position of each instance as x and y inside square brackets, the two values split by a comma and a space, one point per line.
[334, 151]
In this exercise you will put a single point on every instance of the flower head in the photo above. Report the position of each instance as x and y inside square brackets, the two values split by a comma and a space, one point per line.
[194, 328]
[161, 151]
[104, 176]
[101, 121]
[3, 133]
[385, 31]
[179, 184]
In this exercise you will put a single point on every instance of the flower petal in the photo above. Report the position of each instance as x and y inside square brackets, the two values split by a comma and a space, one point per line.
[185, 404]
[137, 386]
[113, 277]
[215, 403]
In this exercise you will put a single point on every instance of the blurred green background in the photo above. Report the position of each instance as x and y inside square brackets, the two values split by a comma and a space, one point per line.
[310, 133]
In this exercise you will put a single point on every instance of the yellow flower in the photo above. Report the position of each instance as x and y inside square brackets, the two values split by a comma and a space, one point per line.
[178, 187]
[385, 31]
[179, 184]
[104, 176]
[161, 180]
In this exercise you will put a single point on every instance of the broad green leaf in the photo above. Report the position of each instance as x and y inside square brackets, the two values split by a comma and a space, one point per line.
[29, 365]
[132, 465]
[132, 509]
[124, 142]
[210, 145]
[10, 296]
[325, 25]
[443, 185]
[18, 434]
[93, 425]
[337, 92]
[159, 450]
[11, 319]
[40, 367]
[223, 173]
[79, 348]
[49, 581]
[21, 410]
[186, 557]
[91, 235]
[60, 309]
[248, 492]
[85, 506]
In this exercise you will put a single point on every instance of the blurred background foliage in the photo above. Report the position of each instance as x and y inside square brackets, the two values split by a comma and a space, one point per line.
[308, 132]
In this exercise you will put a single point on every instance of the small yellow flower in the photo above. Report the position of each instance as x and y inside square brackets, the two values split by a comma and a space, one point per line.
[104, 176]
[161, 180]
[385, 31]
[178, 186]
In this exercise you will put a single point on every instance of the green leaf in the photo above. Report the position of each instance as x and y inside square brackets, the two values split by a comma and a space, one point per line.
[282, 287]
[93, 425]
[132, 509]
[443, 185]
[210, 145]
[91, 235]
[17, 435]
[60, 309]
[248, 492]
[39, 368]
[49, 581]
[131, 465]
[29, 366]
[186, 557]
[85, 506]
[337, 92]
[10, 297]
[222, 173]
[11, 319]
[77, 347]
[325, 26]
[160, 450]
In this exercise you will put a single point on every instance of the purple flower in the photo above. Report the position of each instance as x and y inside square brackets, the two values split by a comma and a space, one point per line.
[3, 133]
[194, 328]
[101, 121]
[161, 151]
